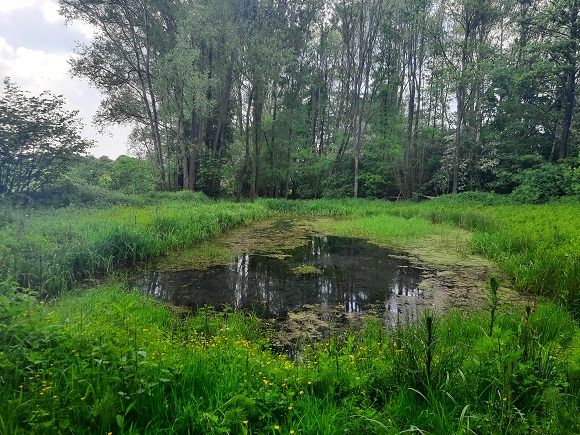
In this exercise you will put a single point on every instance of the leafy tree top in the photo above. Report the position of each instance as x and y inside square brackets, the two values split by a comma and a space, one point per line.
[38, 136]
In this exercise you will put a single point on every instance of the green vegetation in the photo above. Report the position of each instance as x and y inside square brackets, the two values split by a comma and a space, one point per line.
[38, 139]
[538, 246]
[113, 361]
[362, 98]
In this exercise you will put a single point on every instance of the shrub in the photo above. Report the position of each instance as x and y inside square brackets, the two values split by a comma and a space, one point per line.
[543, 183]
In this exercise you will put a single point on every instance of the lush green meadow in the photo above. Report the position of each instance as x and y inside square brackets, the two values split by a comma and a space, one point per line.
[110, 361]
[106, 360]
[538, 246]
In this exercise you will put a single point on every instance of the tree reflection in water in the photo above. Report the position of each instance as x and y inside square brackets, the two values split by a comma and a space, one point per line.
[346, 272]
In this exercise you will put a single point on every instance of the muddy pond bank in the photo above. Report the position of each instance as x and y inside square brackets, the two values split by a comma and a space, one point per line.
[310, 284]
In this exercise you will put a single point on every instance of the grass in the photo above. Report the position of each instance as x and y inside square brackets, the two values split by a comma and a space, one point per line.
[106, 360]
[52, 251]
[110, 361]
[538, 246]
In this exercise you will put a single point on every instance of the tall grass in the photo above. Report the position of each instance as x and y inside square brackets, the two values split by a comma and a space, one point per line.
[537, 245]
[49, 250]
[108, 360]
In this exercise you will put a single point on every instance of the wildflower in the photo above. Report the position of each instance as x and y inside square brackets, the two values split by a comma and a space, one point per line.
[83, 398]
[291, 431]
[290, 407]
[277, 427]
[246, 421]
[301, 392]
[309, 382]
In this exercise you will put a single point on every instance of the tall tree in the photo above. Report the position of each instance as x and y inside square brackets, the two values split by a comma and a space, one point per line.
[359, 23]
[121, 61]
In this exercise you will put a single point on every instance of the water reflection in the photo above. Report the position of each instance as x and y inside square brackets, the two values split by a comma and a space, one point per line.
[348, 272]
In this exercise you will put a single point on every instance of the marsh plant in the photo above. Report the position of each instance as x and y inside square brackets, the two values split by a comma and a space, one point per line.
[305, 269]
[493, 287]
[108, 360]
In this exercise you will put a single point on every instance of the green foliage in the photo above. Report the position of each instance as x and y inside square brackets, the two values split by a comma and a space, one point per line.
[109, 360]
[543, 183]
[112, 361]
[38, 138]
[130, 176]
[49, 250]
[536, 245]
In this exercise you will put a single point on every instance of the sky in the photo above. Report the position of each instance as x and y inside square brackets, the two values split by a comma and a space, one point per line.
[35, 45]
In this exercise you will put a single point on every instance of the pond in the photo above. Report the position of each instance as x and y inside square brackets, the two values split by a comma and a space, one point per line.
[345, 273]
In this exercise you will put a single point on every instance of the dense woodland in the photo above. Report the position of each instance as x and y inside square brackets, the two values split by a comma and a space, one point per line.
[339, 97]
[325, 98]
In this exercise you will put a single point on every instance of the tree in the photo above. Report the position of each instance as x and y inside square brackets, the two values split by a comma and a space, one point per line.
[122, 60]
[359, 26]
[38, 138]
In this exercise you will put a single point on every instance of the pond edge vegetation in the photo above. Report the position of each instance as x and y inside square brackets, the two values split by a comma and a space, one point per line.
[113, 361]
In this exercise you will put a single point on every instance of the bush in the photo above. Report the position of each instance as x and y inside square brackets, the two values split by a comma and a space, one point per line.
[543, 183]
[98, 197]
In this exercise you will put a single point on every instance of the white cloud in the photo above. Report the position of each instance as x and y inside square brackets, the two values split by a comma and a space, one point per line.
[50, 13]
[5, 48]
[34, 70]
[7, 6]
[84, 29]
[37, 70]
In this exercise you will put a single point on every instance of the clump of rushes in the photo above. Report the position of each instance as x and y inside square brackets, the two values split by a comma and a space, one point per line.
[493, 299]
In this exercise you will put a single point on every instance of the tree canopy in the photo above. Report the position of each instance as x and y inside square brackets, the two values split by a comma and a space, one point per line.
[318, 98]
[38, 136]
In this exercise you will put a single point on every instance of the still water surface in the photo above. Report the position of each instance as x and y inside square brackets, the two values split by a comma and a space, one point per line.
[350, 273]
